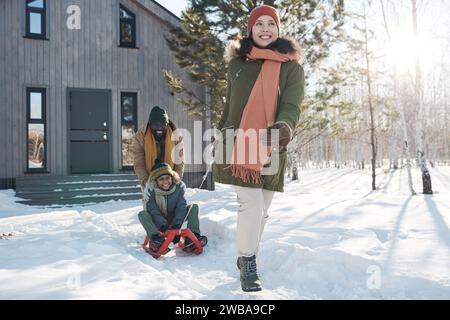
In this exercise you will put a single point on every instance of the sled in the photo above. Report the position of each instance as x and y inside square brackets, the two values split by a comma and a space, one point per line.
[169, 235]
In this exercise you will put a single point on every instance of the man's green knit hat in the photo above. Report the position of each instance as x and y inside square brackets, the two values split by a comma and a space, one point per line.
[160, 169]
[158, 115]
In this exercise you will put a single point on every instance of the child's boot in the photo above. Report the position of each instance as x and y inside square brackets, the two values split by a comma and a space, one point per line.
[156, 242]
[189, 245]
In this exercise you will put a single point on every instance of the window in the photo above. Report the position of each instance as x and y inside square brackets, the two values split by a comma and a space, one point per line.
[35, 19]
[36, 140]
[127, 28]
[128, 110]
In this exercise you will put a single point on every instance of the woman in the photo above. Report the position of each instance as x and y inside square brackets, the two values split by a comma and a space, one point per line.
[265, 91]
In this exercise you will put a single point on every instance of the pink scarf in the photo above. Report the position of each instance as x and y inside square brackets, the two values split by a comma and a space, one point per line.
[249, 156]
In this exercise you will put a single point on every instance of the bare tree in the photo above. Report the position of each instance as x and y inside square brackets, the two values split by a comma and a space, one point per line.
[396, 101]
[419, 99]
[370, 99]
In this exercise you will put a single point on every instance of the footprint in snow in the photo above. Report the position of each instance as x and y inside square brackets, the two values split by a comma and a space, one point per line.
[5, 236]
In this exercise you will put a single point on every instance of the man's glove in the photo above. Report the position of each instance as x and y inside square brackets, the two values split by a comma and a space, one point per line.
[284, 134]
[175, 226]
[164, 228]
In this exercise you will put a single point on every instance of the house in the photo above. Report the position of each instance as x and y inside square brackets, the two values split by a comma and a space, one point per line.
[77, 78]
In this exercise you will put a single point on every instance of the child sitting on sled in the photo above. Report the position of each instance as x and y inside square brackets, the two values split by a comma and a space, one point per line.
[167, 208]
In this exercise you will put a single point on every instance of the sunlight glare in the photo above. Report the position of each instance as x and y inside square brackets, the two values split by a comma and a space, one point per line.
[405, 46]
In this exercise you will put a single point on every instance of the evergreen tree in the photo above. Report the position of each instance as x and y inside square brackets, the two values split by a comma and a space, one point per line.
[208, 26]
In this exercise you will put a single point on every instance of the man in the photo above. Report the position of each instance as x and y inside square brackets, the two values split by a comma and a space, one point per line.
[155, 141]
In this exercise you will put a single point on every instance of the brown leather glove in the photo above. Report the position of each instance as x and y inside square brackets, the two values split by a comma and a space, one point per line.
[284, 134]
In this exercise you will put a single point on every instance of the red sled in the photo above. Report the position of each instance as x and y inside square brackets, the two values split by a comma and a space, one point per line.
[170, 235]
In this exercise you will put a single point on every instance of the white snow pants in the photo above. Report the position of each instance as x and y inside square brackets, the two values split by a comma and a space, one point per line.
[252, 217]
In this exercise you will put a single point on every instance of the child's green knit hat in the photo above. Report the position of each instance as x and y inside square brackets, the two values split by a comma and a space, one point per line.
[160, 169]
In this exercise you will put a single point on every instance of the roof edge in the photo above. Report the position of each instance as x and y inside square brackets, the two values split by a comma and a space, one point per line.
[159, 11]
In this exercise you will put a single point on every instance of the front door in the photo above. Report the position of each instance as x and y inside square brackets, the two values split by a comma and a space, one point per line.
[89, 131]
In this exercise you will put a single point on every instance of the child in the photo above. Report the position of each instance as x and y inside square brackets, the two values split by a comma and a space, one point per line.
[167, 208]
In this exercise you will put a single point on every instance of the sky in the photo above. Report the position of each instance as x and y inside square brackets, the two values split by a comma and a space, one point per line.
[175, 6]
[434, 19]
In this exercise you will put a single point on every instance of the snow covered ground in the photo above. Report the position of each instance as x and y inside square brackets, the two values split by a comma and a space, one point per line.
[329, 237]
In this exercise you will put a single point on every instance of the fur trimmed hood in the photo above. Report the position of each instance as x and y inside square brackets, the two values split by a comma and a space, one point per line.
[231, 51]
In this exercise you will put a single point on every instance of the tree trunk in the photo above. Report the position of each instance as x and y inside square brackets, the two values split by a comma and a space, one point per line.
[406, 149]
[36, 146]
[322, 152]
[294, 173]
[370, 99]
[420, 132]
[393, 154]
[295, 164]
[337, 154]
[446, 120]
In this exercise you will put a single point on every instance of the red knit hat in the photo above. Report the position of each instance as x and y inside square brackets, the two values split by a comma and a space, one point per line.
[263, 10]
